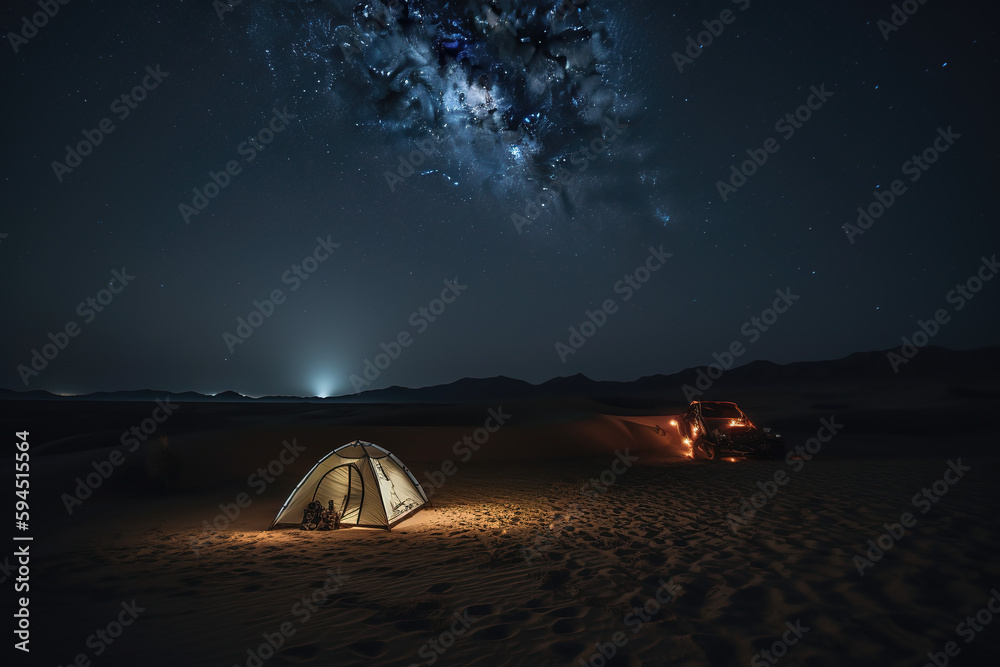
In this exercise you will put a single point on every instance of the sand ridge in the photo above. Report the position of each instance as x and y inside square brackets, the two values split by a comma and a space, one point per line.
[476, 552]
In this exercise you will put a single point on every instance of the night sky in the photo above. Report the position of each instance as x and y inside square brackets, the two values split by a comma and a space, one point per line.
[593, 110]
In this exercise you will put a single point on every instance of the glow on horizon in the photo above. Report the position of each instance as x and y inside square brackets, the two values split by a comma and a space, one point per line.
[323, 385]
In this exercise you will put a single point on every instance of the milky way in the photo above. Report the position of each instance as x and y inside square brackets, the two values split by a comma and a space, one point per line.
[514, 93]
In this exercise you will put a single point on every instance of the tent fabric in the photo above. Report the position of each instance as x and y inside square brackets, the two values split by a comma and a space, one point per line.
[368, 485]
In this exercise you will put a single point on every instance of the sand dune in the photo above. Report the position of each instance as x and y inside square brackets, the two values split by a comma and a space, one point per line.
[528, 555]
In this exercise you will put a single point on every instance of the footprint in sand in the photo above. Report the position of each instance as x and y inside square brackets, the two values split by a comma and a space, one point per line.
[567, 626]
[571, 611]
[368, 648]
[655, 559]
[496, 632]
[555, 579]
[442, 587]
[480, 609]
[426, 607]
[303, 653]
[414, 625]
[400, 573]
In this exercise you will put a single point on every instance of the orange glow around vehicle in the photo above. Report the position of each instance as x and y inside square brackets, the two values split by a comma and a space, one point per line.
[689, 450]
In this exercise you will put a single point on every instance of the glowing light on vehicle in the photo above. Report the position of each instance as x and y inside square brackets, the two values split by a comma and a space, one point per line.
[673, 422]
[690, 450]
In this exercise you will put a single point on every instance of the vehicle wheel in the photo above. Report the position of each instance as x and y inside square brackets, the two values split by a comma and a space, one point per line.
[704, 450]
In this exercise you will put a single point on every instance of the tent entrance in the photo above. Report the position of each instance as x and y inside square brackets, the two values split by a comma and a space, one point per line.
[345, 487]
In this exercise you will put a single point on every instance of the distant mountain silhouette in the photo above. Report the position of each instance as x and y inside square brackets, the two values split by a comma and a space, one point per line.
[861, 369]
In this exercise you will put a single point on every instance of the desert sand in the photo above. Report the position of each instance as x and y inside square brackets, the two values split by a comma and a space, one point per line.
[526, 555]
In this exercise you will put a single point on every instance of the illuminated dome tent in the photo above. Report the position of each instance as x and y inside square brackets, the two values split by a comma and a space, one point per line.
[368, 485]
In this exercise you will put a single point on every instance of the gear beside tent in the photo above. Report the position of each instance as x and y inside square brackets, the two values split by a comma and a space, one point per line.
[368, 485]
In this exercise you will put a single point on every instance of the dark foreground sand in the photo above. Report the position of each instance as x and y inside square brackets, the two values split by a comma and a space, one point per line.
[514, 563]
